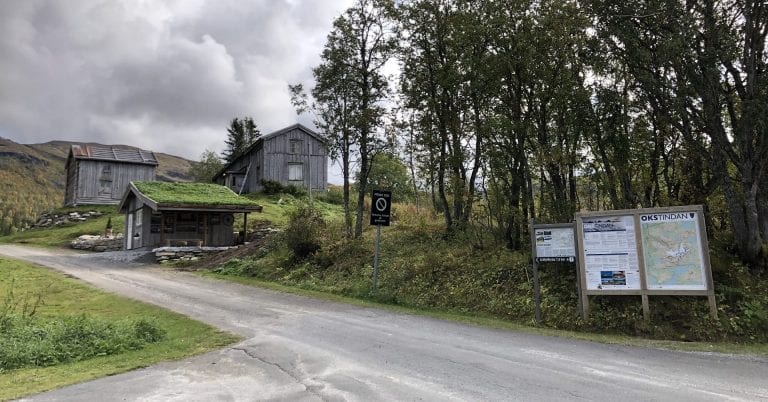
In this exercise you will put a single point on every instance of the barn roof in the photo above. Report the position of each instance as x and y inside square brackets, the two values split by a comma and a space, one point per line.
[289, 128]
[187, 196]
[111, 153]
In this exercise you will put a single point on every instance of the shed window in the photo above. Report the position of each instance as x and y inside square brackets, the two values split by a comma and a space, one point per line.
[295, 172]
[296, 146]
[155, 221]
[237, 180]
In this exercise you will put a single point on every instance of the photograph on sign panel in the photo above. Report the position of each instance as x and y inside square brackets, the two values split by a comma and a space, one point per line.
[618, 278]
[606, 224]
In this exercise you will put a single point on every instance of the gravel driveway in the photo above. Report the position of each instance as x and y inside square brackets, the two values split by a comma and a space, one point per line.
[298, 348]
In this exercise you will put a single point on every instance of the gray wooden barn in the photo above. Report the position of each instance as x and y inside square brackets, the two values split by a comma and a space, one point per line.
[182, 214]
[294, 155]
[98, 174]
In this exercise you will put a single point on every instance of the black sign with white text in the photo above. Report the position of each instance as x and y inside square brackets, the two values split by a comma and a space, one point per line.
[381, 203]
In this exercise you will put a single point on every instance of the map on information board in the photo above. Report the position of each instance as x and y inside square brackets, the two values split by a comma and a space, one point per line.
[672, 250]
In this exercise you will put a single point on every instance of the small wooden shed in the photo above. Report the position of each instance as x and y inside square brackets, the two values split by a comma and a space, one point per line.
[99, 174]
[178, 214]
[294, 155]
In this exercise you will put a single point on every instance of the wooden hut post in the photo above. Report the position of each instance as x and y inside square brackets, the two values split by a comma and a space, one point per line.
[245, 227]
[162, 229]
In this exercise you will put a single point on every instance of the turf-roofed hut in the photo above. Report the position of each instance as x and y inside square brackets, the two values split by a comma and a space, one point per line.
[178, 214]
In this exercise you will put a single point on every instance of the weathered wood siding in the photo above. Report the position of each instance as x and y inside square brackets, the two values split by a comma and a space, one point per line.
[256, 158]
[155, 228]
[104, 182]
[313, 156]
[270, 158]
[71, 188]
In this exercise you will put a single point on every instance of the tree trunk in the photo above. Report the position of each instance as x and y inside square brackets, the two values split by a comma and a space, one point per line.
[345, 173]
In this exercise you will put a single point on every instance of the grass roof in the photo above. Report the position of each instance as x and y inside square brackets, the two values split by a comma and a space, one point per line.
[164, 193]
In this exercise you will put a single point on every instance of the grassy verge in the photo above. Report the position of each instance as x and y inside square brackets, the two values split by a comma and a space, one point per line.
[490, 322]
[277, 207]
[67, 297]
[466, 274]
[60, 236]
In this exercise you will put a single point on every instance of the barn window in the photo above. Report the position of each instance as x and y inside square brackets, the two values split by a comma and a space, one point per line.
[296, 146]
[295, 172]
[105, 181]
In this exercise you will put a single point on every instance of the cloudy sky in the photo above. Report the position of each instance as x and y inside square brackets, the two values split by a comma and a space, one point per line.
[161, 75]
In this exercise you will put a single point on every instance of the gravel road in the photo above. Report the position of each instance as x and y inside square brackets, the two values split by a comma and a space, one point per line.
[302, 349]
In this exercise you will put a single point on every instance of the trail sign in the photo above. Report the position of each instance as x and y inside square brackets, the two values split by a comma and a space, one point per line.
[381, 204]
[552, 243]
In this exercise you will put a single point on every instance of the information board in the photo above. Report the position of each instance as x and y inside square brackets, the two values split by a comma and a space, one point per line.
[644, 252]
[610, 253]
[555, 244]
[672, 251]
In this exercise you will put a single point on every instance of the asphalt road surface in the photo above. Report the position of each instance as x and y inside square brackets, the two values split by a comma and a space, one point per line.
[302, 349]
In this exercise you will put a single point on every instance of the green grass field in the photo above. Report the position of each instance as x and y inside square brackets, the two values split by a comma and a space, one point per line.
[276, 208]
[68, 297]
[61, 236]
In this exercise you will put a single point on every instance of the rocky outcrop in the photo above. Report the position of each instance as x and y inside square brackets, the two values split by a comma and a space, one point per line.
[50, 219]
[98, 243]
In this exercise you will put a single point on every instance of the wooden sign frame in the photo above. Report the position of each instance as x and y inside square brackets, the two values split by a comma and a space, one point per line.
[644, 291]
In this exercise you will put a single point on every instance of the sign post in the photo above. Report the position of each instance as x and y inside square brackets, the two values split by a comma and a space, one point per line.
[381, 204]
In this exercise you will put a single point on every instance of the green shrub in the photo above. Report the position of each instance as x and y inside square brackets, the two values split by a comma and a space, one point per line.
[272, 187]
[235, 266]
[296, 191]
[334, 195]
[303, 233]
[28, 342]
[148, 331]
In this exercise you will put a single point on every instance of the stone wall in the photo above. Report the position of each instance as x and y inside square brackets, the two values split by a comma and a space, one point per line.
[166, 255]
[98, 243]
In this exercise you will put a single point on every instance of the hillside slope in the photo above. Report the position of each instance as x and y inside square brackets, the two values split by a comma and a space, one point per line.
[32, 179]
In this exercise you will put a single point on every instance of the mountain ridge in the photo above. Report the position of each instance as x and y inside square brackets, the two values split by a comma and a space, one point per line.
[32, 178]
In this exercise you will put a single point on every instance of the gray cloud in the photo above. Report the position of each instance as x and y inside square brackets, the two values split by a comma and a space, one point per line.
[166, 76]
